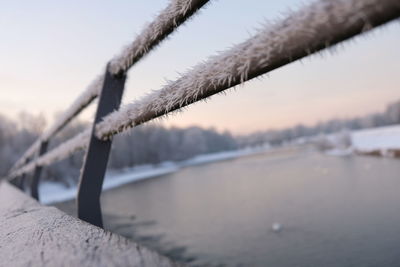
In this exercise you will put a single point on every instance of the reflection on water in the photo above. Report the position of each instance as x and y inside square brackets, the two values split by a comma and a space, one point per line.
[334, 211]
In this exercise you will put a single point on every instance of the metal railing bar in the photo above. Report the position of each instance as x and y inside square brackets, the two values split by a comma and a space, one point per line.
[309, 30]
[170, 18]
[84, 100]
[62, 151]
[24, 158]
[315, 27]
[176, 13]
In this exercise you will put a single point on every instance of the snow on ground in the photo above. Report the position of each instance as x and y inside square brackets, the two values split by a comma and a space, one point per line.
[381, 138]
[374, 139]
[339, 152]
[53, 192]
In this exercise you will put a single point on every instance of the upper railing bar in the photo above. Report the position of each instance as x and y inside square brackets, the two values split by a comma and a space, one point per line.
[309, 30]
[317, 26]
[176, 13]
[79, 104]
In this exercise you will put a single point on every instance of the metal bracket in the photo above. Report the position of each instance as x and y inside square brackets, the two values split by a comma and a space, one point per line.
[19, 182]
[96, 158]
[38, 172]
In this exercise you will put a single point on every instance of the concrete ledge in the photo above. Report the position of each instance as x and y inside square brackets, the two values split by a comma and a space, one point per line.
[36, 235]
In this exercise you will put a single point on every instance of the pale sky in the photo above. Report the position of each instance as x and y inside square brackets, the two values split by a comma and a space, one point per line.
[51, 50]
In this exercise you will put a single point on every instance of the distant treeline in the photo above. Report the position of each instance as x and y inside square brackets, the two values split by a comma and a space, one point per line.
[390, 116]
[152, 143]
[147, 144]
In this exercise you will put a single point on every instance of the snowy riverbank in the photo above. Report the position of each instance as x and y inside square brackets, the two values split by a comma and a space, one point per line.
[382, 141]
[382, 138]
[52, 192]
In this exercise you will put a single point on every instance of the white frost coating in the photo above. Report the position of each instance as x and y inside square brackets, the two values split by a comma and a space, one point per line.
[306, 31]
[91, 92]
[171, 17]
[28, 154]
[80, 141]
[81, 102]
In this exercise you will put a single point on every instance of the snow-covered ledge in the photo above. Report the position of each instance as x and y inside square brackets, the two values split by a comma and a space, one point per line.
[36, 235]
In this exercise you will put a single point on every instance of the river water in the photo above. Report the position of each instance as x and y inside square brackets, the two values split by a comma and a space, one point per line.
[334, 211]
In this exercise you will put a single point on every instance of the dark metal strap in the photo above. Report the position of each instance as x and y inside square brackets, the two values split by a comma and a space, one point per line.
[96, 158]
[19, 182]
[38, 172]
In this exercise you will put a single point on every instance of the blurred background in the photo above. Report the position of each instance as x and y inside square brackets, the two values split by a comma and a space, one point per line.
[298, 168]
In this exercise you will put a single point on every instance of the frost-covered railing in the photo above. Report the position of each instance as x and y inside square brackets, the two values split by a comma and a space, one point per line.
[313, 28]
[177, 12]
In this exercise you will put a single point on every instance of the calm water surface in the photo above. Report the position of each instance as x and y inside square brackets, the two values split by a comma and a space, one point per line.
[335, 211]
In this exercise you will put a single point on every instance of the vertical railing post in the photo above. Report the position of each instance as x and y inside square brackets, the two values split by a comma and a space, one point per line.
[96, 158]
[20, 181]
[38, 171]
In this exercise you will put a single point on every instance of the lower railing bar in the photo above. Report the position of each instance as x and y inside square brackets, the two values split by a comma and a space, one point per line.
[38, 172]
[96, 158]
